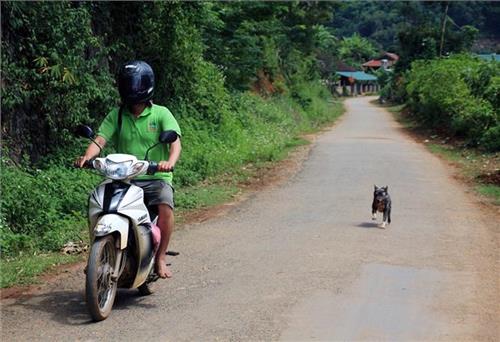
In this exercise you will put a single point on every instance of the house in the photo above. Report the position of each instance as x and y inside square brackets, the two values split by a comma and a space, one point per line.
[356, 82]
[353, 82]
[386, 61]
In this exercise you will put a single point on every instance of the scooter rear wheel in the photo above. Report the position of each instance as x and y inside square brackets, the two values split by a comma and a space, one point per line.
[100, 288]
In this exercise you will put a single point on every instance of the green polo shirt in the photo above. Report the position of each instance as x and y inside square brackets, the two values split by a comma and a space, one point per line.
[139, 134]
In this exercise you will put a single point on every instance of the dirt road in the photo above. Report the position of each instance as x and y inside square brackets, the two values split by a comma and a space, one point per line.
[304, 261]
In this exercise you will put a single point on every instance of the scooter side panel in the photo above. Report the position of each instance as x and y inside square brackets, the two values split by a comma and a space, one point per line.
[96, 204]
[111, 223]
[145, 249]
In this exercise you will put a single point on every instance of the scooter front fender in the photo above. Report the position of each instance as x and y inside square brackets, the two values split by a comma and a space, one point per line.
[110, 223]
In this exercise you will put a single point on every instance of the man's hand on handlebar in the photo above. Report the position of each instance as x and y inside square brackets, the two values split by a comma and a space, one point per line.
[80, 162]
[165, 166]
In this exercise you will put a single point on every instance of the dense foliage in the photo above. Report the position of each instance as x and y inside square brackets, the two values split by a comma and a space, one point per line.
[241, 78]
[459, 95]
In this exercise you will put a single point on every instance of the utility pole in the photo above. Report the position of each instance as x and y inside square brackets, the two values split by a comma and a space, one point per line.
[443, 27]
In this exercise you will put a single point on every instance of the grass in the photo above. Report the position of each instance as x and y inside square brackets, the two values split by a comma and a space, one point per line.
[448, 152]
[475, 166]
[24, 269]
[491, 191]
[206, 195]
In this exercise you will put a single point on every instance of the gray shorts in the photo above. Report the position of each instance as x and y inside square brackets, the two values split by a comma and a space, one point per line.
[156, 192]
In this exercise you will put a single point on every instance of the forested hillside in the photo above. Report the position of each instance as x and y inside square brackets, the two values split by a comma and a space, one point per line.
[242, 78]
[382, 21]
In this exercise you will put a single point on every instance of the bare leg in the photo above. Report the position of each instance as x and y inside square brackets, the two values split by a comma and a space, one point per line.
[166, 225]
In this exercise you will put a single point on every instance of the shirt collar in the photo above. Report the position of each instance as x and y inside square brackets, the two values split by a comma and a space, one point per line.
[145, 112]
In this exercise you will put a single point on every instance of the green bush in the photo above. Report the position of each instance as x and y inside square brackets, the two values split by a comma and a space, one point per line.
[42, 209]
[458, 95]
[253, 129]
[490, 141]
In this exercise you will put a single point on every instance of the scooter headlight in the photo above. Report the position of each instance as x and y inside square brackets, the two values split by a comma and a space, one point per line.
[103, 229]
[117, 170]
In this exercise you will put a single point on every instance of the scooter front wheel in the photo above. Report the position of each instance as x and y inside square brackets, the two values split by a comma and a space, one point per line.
[100, 287]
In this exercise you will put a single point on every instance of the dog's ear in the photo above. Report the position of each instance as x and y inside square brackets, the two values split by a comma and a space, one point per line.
[375, 187]
[386, 188]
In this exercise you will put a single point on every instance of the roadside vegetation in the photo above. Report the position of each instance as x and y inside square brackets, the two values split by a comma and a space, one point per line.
[459, 96]
[241, 78]
[444, 93]
[478, 168]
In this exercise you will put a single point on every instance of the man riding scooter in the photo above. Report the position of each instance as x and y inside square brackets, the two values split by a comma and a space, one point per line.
[133, 128]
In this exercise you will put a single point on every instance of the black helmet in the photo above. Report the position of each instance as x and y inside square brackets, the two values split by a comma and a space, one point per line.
[136, 82]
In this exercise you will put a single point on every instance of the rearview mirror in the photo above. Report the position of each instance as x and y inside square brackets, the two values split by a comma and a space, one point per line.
[84, 132]
[168, 137]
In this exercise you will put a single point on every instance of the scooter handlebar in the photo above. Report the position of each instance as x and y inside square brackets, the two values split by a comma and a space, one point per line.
[88, 164]
[153, 168]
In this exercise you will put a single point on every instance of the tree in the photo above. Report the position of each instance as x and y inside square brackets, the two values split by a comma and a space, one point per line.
[355, 50]
[54, 75]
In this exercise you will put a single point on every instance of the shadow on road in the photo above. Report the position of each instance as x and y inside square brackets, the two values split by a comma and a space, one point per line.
[368, 225]
[69, 307]
[128, 299]
[65, 307]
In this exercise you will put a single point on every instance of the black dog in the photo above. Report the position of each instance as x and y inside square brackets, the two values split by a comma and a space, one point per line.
[382, 203]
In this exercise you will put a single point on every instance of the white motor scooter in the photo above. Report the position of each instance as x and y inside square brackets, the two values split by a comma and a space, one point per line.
[122, 252]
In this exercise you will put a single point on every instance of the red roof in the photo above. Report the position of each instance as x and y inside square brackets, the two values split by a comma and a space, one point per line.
[373, 63]
[392, 56]
[341, 66]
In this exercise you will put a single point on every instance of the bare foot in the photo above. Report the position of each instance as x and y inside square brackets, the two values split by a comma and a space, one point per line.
[162, 269]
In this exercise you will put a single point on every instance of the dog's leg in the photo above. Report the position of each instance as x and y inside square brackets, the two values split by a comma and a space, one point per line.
[384, 221]
[374, 211]
[389, 216]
